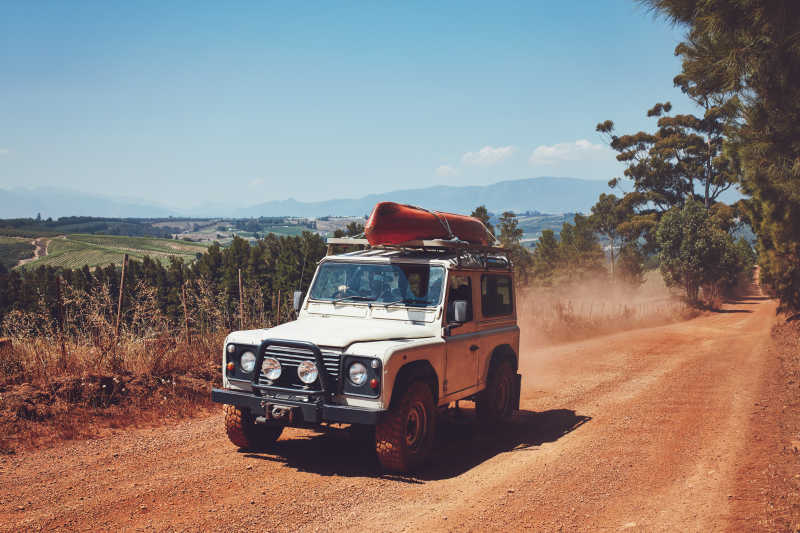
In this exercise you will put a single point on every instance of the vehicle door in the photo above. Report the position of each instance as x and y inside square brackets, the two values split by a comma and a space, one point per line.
[496, 323]
[462, 346]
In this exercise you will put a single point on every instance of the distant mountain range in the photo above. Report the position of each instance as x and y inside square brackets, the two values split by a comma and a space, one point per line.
[56, 203]
[545, 195]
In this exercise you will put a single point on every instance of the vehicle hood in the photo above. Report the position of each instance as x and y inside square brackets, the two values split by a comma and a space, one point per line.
[338, 332]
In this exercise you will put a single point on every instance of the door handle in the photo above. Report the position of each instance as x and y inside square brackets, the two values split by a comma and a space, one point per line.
[473, 348]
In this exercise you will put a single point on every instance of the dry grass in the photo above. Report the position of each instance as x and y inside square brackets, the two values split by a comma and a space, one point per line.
[71, 378]
[47, 395]
[65, 373]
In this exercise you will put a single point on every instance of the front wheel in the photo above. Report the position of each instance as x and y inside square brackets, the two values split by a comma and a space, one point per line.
[404, 436]
[496, 402]
[243, 431]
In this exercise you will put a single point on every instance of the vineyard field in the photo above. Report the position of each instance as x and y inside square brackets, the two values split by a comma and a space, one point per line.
[75, 251]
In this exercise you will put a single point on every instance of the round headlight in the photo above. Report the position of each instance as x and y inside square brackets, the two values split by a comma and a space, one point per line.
[248, 361]
[358, 374]
[307, 372]
[231, 348]
[271, 368]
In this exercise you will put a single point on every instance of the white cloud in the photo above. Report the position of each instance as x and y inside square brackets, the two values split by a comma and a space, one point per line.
[579, 150]
[256, 182]
[488, 155]
[446, 171]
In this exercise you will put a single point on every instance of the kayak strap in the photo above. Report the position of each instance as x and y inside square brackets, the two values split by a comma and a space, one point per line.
[445, 224]
[492, 237]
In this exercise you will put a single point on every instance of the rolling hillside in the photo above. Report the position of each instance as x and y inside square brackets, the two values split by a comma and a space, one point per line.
[13, 249]
[74, 251]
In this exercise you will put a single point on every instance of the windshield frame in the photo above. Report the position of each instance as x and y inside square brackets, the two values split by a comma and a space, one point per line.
[358, 299]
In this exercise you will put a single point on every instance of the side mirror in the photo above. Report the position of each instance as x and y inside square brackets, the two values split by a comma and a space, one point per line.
[297, 301]
[460, 311]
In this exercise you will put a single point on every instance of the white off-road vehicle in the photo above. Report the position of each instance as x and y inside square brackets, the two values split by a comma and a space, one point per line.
[386, 337]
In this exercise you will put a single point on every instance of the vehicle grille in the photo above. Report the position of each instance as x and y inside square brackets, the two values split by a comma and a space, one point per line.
[290, 359]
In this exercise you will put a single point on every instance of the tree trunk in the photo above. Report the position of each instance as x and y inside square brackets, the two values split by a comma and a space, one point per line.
[707, 201]
[612, 260]
[692, 291]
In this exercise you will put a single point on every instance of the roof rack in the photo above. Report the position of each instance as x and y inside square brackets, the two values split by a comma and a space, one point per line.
[464, 253]
[428, 245]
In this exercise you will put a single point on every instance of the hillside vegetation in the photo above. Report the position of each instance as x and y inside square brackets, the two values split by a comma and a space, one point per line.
[75, 251]
[14, 249]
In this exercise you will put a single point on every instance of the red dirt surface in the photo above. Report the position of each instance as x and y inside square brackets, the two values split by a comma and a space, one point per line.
[671, 428]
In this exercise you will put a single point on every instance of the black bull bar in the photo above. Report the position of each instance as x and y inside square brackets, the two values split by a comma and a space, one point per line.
[306, 406]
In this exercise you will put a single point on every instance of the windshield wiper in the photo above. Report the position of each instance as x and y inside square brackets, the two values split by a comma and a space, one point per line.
[403, 301]
[355, 297]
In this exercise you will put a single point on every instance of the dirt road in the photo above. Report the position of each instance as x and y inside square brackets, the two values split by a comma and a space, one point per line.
[39, 250]
[639, 431]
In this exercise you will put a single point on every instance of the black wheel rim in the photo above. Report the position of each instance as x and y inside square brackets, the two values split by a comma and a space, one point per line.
[416, 425]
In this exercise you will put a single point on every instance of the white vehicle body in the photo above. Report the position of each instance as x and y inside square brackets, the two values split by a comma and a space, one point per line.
[399, 335]
[383, 338]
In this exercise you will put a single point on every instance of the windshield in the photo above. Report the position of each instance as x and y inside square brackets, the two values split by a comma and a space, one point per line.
[401, 284]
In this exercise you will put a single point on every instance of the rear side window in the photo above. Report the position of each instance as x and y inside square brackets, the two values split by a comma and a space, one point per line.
[496, 295]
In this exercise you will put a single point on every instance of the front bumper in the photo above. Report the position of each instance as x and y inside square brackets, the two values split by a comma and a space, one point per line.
[313, 412]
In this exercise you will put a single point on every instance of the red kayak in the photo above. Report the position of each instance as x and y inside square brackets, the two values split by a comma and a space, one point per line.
[392, 223]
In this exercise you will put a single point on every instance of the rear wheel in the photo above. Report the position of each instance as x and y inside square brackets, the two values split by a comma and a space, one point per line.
[243, 431]
[496, 402]
[404, 436]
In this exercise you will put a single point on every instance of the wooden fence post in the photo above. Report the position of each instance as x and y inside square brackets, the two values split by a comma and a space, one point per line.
[241, 302]
[115, 361]
[185, 312]
[119, 301]
[60, 308]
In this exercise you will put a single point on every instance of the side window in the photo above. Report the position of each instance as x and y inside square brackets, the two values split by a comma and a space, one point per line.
[460, 289]
[496, 294]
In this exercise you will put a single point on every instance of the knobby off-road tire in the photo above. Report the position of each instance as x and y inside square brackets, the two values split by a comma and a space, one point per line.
[495, 404]
[245, 433]
[404, 436]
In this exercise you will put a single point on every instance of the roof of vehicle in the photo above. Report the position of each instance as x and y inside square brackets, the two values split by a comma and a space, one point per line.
[445, 253]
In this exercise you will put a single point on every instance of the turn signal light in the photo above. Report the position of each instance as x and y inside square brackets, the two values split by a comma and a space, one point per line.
[373, 383]
[230, 366]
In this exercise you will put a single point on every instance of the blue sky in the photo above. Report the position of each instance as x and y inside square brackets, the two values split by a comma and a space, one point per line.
[191, 103]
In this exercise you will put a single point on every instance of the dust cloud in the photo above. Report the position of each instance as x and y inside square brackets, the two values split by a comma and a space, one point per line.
[553, 315]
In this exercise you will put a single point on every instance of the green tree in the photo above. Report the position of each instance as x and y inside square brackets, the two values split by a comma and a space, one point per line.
[510, 232]
[683, 159]
[510, 237]
[684, 154]
[352, 229]
[482, 214]
[545, 259]
[630, 264]
[580, 254]
[750, 48]
[609, 216]
[746, 255]
[694, 252]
